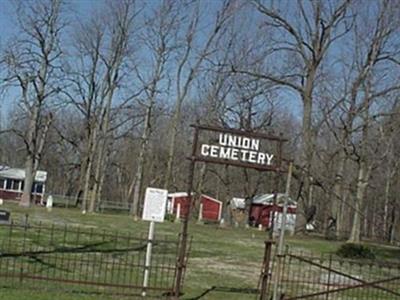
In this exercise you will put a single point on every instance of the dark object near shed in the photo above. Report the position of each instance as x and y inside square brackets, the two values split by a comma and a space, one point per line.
[4, 216]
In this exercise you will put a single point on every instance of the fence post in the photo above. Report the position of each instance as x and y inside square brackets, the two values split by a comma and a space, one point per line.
[178, 212]
[200, 213]
[329, 277]
[21, 273]
[265, 270]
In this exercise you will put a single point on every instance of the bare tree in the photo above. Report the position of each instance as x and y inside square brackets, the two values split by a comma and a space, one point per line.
[32, 62]
[305, 39]
[189, 64]
[103, 46]
[159, 40]
[372, 52]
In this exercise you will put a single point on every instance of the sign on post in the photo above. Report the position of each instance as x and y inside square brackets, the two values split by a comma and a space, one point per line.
[238, 148]
[262, 152]
[155, 202]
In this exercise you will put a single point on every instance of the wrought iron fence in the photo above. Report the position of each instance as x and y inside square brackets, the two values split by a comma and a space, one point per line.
[84, 260]
[304, 276]
[102, 206]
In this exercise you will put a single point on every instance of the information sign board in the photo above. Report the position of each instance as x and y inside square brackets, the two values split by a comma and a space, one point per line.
[155, 202]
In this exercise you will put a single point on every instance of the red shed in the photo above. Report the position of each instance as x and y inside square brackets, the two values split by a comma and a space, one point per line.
[211, 209]
[181, 199]
[262, 208]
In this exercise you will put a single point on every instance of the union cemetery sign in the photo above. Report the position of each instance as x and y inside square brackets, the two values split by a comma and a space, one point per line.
[239, 148]
[227, 146]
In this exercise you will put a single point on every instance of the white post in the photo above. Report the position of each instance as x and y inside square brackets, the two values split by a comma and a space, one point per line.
[49, 203]
[282, 233]
[148, 258]
[43, 190]
[201, 212]
[178, 212]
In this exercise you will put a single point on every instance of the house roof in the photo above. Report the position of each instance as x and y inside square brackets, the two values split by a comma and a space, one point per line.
[211, 198]
[178, 194]
[19, 174]
[174, 195]
[239, 203]
[266, 199]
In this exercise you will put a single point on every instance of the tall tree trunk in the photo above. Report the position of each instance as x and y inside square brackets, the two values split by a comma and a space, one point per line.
[394, 227]
[362, 183]
[307, 153]
[137, 180]
[104, 144]
[336, 207]
[387, 217]
[28, 183]
[386, 205]
[172, 141]
[202, 178]
[31, 149]
[91, 150]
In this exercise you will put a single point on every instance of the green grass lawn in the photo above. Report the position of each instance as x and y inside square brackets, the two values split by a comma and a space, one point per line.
[223, 258]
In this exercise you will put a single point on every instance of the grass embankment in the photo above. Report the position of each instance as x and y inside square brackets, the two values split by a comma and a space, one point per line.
[227, 258]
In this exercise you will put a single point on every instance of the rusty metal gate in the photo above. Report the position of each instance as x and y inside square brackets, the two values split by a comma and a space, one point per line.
[329, 278]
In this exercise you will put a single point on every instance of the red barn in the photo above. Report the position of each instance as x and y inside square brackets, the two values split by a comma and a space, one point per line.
[262, 209]
[211, 209]
[178, 199]
[12, 184]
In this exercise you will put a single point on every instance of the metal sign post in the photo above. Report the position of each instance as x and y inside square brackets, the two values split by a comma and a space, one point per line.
[148, 257]
[180, 264]
[276, 189]
[155, 202]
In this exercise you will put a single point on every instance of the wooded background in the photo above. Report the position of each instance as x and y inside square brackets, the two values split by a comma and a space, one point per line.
[102, 96]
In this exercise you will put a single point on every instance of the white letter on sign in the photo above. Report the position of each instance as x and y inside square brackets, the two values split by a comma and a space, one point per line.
[269, 158]
[224, 153]
[234, 154]
[255, 144]
[261, 158]
[246, 143]
[222, 139]
[214, 151]
[205, 150]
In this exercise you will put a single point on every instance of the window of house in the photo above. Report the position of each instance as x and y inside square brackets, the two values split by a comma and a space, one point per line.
[15, 185]
[2, 182]
[9, 184]
[39, 188]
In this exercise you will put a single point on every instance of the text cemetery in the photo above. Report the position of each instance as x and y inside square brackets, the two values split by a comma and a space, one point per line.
[238, 148]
